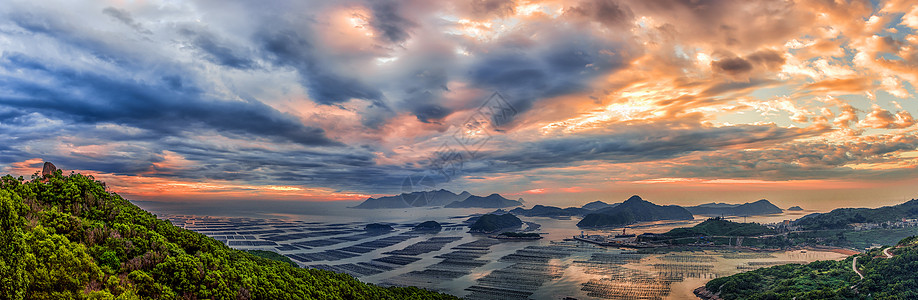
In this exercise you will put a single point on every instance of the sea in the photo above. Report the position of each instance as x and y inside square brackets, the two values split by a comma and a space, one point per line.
[331, 236]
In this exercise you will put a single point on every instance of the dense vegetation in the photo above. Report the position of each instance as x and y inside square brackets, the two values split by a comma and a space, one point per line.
[272, 256]
[428, 226]
[884, 278]
[840, 218]
[491, 223]
[634, 210]
[66, 237]
[720, 227]
[521, 234]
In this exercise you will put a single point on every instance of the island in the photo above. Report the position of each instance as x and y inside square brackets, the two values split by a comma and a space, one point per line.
[795, 208]
[760, 207]
[490, 223]
[597, 205]
[415, 199]
[491, 201]
[632, 211]
[428, 226]
[718, 226]
[517, 236]
[550, 211]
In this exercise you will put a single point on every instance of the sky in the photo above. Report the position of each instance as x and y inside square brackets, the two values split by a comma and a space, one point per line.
[805, 103]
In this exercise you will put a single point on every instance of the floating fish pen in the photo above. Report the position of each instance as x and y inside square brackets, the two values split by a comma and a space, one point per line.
[250, 243]
[397, 260]
[430, 245]
[626, 289]
[424, 279]
[480, 244]
[357, 249]
[531, 269]
[385, 242]
[463, 254]
[350, 269]
[327, 255]
[305, 235]
[487, 293]
[288, 247]
[747, 255]
[685, 270]
[616, 258]
[688, 258]
[318, 243]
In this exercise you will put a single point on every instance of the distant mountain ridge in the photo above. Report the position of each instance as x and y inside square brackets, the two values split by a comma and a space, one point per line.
[436, 198]
[761, 207]
[634, 210]
[491, 201]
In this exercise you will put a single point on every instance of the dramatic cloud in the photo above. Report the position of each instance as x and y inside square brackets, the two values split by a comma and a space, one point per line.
[325, 100]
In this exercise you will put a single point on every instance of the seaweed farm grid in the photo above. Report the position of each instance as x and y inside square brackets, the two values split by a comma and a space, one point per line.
[478, 267]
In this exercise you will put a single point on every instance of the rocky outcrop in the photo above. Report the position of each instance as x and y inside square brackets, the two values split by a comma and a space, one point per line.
[48, 169]
[704, 293]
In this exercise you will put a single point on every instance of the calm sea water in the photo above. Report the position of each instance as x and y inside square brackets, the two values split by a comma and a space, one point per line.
[587, 273]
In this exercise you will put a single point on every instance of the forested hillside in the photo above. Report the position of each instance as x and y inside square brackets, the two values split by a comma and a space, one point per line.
[66, 237]
[885, 277]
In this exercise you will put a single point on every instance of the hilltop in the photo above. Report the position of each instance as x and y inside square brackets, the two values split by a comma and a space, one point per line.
[634, 210]
[761, 207]
[843, 217]
[884, 278]
[415, 199]
[491, 201]
[720, 227]
[66, 237]
[441, 198]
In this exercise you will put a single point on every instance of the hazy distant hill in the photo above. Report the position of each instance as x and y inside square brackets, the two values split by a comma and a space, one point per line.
[415, 199]
[597, 205]
[634, 210]
[761, 207]
[491, 201]
[842, 217]
[550, 211]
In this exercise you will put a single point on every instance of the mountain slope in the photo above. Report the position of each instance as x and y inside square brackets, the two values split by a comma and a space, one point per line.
[884, 278]
[761, 207]
[842, 217]
[491, 201]
[634, 210]
[549, 211]
[66, 237]
[415, 199]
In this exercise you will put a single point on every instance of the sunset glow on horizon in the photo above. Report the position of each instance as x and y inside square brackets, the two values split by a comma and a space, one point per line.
[561, 102]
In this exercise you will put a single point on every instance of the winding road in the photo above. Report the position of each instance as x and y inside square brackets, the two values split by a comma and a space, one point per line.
[854, 262]
[854, 267]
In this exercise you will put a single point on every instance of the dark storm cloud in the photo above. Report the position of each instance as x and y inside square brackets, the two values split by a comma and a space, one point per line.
[286, 47]
[170, 106]
[641, 143]
[732, 65]
[389, 21]
[219, 52]
[607, 12]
